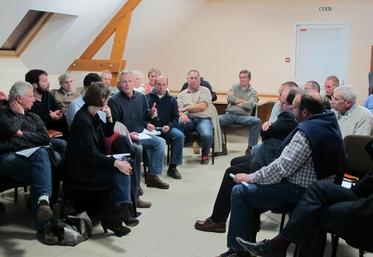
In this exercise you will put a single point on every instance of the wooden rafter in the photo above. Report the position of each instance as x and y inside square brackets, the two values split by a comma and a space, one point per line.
[119, 25]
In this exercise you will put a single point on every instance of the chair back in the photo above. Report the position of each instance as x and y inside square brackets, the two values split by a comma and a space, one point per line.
[359, 161]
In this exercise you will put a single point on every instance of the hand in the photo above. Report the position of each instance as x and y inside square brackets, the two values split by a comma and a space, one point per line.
[134, 136]
[165, 129]
[16, 107]
[150, 127]
[123, 166]
[19, 133]
[184, 118]
[239, 177]
[154, 111]
[106, 109]
[266, 125]
[56, 115]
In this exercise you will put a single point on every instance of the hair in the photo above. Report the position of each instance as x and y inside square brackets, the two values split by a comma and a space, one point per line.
[290, 84]
[32, 76]
[137, 73]
[312, 102]
[154, 70]
[194, 70]
[96, 93]
[246, 72]
[90, 78]
[18, 89]
[334, 79]
[106, 72]
[62, 78]
[291, 95]
[315, 85]
[162, 77]
[347, 93]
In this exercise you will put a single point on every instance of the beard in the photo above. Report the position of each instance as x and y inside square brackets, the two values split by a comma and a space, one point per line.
[41, 90]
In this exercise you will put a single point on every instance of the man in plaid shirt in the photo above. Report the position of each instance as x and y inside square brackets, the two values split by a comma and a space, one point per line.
[304, 159]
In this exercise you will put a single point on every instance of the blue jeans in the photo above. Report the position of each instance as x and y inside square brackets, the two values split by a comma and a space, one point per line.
[249, 121]
[247, 203]
[205, 130]
[177, 143]
[40, 177]
[154, 148]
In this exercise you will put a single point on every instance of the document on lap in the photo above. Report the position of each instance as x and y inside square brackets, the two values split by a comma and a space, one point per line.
[28, 152]
[119, 156]
[151, 132]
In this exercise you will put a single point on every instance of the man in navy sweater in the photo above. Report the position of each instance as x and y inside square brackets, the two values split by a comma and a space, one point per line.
[167, 121]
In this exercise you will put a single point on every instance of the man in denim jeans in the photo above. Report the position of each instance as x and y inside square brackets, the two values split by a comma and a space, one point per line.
[242, 99]
[22, 129]
[193, 105]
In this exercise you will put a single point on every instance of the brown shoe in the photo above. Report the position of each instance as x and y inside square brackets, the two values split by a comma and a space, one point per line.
[209, 226]
[155, 181]
[143, 204]
[196, 148]
[173, 173]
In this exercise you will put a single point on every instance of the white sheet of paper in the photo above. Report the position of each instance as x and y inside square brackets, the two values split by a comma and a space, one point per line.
[119, 156]
[28, 152]
[151, 132]
[142, 136]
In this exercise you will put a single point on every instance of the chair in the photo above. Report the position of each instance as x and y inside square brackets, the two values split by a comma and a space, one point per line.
[359, 163]
[7, 183]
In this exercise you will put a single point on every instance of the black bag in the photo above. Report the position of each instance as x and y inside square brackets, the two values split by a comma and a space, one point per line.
[71, 231]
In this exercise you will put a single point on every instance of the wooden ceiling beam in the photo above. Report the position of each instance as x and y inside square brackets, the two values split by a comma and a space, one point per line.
[109, 29]
[96, 65]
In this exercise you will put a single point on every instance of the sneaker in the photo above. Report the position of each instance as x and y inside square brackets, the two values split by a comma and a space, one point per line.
[196, 148]
[44, 211]
[155, 181]
[205, 160]
[173, 173]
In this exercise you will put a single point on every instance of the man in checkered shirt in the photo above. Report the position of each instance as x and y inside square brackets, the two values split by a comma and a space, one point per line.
[313, 151]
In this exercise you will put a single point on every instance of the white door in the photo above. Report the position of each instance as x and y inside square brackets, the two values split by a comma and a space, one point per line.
[321, 50]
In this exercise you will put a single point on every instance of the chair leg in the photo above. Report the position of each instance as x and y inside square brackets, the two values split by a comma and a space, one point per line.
[361, 253]
[335, 240]
[282, 223]
[296, 251]
[16, 194]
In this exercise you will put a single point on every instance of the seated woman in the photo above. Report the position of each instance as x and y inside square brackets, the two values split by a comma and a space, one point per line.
[86, 159]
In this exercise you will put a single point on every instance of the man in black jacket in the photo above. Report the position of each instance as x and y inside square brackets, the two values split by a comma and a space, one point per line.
[324, 207]
[20, 130]
[166, 122]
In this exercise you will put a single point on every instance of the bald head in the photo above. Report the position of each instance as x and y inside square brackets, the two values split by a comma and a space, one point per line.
[161, 85]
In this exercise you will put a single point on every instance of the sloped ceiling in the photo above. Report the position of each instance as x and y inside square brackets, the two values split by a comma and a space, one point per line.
[77, 22]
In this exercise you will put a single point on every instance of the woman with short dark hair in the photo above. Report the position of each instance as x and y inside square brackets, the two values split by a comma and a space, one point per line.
[87, 160]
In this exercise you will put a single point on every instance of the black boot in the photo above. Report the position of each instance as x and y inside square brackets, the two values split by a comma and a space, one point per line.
[125, 215]
[115, 226]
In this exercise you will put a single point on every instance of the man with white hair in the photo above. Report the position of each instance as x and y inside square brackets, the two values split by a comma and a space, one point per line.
[22, 129]
[65, 94]
[353, 119]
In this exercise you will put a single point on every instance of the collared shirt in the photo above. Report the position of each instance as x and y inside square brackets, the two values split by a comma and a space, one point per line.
[248, 94]
[188, 98]
[295, 164]
[62, 97]
[356, 121]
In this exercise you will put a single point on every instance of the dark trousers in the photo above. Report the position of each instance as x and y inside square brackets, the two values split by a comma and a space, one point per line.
[322, 209]
[222, 204]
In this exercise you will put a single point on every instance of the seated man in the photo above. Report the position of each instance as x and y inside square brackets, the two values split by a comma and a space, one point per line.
[22, 129]
[330, 84]
[272, 136]
[45, 105]
[65, 94]
[304, 159]
[131, 108]
[204, 83]
[167, 120]
[353, 119]
[325, 207]
[242, 99]
[193, 105]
